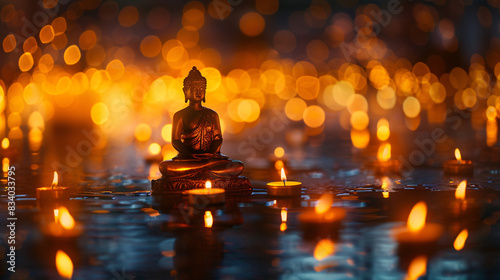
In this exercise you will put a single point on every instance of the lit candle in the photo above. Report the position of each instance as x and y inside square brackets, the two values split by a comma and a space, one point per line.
[284, 187]
[418, 237]
[458, 166]
[384, 164]
[207, 196]
[324, 220]
[52, 193]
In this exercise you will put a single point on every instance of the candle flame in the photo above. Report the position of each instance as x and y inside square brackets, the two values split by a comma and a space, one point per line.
[460, 191]
[416, 219]
[384, 152]
[460, 240]
[283, 227]
[458, 156]
[324, 248]
[284, 215]
[55, 181]
[208, 185]
[209, 219]
[65, 218]
[5, 164]
[324, 203]
[56, 215]
[283, 175]
[64, 265]
[418, 267]
[5, 143]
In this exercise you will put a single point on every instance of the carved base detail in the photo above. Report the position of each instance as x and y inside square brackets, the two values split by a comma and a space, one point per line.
[236, 185]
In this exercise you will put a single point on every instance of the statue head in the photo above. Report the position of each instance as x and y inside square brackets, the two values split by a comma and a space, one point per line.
[194, 80]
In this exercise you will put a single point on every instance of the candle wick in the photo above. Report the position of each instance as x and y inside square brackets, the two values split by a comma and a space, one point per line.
[459, 161]
[284, 184]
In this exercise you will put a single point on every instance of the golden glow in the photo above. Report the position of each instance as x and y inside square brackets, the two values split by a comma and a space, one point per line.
[142, 132]
[283, 175]
[383, 131]
[46, 34]
[5, 164]
[25, 62]
[208, 185]
[9, 43]
[416, 219]
[56, 215]
[151, 46]
[460, 191]
[283, 226]
[294, 109]
[359, 120]
[209, 219]
[360, 138]
[324, 203]
[55, 181]
[324, 248]
[314, 116]
[411, 107]
[460, 240]
[252, 24]
[458, 156]
[385, 194]
[72, 55]
[128, 16]
[64, 265]
[166, 133]
[65, 218]
[418, 267]
[5, 143]
[284, 215]
[384, 152]
[279, 152]
[154, 148]
[99, 113]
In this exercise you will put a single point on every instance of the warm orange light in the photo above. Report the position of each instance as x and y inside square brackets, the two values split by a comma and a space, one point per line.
[283, 227]
[279, 152]
[384, 152]
[460, 240]
[64, 265]
[5, 143]
[458, 156]
[460, 192]
[323, 249]
[284, 214]
[55, 181]
[385, 194]
[5, 164]
[208, 185]
[324, 203]
[383, 131]
[283, 175]
[418, 267]
[56, 215]
[65, 218]
[209, 219]
[416, 219]
[154, 148]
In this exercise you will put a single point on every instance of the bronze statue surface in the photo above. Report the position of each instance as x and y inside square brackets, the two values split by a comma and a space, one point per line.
[197, 136]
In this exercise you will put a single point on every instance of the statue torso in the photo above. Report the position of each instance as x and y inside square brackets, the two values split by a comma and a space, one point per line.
[198, 129]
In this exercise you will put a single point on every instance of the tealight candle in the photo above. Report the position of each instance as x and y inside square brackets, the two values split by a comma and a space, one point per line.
[207, 196]
[384, 164]
[284, 187]
[52, 193]
[417, 238]
[458, 166]
[324, 220]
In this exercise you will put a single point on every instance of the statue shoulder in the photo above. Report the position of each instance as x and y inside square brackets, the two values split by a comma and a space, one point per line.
[210, 112]
[179, 114]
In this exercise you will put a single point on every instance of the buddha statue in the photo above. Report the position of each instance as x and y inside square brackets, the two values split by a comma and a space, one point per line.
[197, 136]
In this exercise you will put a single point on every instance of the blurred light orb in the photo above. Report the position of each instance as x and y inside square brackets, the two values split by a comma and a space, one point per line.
[9, 43]
[46, 63]
[437, 92]
[154, 148]
[411, 107]
[115, 69]
[314, 116]
[142, 132]
[307, 87]
[252, 24]
[279, 152]
[248, 110]
[150, 46]
[72, 55]
[213, 77]
[342, 91]
[128, 16]
[359, 120]
[193, 18]
[166, 133]
[31, 94]
[46, 34]
[360, 138]
[87, 40]
[294, 109]
[357, 102]
[491, 113]
[386, 98]
[99, 113]
[59, 25]
[25, 62]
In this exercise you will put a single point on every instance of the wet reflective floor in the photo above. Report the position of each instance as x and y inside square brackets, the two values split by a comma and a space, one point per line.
[128, 234]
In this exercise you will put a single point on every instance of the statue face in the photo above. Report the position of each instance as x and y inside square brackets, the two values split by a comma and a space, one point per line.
[196, 92]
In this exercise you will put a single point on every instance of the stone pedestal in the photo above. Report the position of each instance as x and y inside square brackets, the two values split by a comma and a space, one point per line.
[235, 185]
